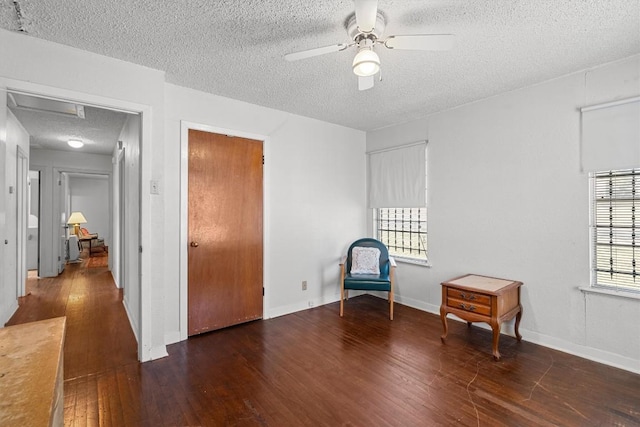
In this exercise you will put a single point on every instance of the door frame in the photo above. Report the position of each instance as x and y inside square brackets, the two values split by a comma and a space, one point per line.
[38, 169]
[60, 205]
[62, 198]
[22, 220]
[185, 126]
[142, 331]
[122, 277]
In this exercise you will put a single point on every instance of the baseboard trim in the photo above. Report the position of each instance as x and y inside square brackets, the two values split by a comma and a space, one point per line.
[589, 353]
[172, 337]
[8, 312]
[157, 352]
[300, 306]
[133, 325]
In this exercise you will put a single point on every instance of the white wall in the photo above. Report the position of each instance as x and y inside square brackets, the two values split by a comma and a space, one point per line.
[507, 199]
[16, 137]
[335, 176]
[326, 181]
[314, 184]
[90, 195]
[130, 137]
[41, 67]
[8, 303]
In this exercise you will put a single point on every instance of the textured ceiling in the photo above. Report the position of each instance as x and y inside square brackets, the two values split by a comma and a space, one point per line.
[235, 48]
[99, 130]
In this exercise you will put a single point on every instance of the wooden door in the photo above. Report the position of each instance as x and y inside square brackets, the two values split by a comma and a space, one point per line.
[225, 231]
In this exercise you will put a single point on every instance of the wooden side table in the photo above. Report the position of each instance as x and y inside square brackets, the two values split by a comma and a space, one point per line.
[88, 238]
[477, 298]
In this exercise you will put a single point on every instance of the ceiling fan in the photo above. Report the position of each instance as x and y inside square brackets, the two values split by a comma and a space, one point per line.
[365, 27]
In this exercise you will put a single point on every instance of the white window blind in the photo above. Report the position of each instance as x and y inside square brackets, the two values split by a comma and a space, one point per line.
[398, 177]
[615, 226]
[611, 136]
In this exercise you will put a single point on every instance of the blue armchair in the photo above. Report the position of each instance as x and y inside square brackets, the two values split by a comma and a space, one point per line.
[358, 272]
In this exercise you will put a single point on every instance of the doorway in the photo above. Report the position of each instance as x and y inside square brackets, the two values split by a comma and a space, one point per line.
[33, 222]
[54, 163]
[88, 194]
[225, 230]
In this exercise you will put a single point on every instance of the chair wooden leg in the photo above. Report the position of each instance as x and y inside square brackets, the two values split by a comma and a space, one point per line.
[341, 300]
[391, 305]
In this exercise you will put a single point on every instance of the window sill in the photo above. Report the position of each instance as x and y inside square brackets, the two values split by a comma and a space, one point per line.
[611, 292]
[418, 262]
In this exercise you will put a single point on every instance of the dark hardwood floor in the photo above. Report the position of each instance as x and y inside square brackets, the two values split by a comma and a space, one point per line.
[314, 368]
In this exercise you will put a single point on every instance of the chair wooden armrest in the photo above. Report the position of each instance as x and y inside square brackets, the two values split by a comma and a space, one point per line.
[343, 260]
[392, 261]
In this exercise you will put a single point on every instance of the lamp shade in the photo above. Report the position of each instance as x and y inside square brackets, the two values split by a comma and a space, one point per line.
[366, 63]
[76, 218]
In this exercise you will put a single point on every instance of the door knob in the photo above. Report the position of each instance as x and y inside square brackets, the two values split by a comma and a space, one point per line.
[194, 244]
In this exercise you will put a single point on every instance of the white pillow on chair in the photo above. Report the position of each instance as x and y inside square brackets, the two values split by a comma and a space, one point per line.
[365, 260]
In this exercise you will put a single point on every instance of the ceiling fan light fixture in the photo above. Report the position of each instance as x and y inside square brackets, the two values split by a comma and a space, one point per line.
[366, 63]
[75, 143]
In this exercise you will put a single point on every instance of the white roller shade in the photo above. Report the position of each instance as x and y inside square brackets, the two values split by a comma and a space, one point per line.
[398, 177]
[611, 136]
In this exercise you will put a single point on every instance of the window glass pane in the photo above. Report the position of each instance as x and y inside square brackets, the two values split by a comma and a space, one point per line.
[615, 228]
[403, 231]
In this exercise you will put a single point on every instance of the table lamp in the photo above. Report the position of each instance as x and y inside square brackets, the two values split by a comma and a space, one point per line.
[76, 219]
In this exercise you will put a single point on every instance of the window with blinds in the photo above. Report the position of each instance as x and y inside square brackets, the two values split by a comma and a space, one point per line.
[615, 225]
[403, 231]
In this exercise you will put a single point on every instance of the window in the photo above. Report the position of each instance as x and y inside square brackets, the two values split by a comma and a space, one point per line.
[403, 231]
[398, 178]
[616, 247]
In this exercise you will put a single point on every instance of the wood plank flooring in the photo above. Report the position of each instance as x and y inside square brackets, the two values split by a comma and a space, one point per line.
[314, 368]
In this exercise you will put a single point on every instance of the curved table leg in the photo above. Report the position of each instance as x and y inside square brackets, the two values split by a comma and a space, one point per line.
[496, 338]
[517, 326]
[443, 317]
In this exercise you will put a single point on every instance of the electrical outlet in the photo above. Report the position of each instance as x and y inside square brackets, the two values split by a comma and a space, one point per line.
[304, 285]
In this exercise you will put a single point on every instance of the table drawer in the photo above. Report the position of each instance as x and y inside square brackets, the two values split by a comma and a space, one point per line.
[470, 306]
[470, 297]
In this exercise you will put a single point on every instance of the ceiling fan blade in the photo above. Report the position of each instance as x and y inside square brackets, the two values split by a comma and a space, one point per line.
[366, 14]
[315, 52]
[421, 42]
[365, 83]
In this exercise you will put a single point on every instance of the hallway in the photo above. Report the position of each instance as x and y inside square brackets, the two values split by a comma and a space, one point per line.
[98, 338]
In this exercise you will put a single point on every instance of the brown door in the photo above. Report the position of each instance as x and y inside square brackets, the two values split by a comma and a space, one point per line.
[225, 231]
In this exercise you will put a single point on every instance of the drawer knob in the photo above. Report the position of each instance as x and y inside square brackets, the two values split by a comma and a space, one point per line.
[467, 307]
